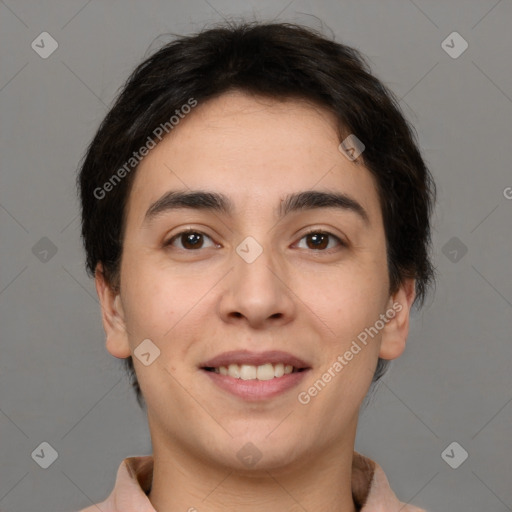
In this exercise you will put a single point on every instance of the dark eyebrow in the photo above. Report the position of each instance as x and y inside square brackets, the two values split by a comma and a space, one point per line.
[196, 200]
[311, 199]
[220, 203]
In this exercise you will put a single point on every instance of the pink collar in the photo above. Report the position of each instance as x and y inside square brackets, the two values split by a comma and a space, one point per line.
[370, 488]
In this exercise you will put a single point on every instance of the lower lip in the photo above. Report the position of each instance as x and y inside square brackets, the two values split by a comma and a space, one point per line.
[253, 390]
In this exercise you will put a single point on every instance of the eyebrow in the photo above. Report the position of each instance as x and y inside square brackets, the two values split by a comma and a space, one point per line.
[220, 203]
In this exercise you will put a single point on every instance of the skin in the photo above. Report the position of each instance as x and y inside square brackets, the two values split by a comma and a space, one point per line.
[196, 303]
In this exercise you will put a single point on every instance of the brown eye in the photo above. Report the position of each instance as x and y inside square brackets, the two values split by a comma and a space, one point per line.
[319, 240]
[190, 240]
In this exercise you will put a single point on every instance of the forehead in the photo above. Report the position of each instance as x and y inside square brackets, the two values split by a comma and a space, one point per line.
[254, 150]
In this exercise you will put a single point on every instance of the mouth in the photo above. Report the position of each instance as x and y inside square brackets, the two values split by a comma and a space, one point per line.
[267, 371]
[255, 376]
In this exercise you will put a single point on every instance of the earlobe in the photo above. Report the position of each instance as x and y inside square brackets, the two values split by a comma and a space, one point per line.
[394, 334]
[112, 314]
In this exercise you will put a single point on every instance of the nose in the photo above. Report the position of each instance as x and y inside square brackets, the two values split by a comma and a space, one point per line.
[258, 291]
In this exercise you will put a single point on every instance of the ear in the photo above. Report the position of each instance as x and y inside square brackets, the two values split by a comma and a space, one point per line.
[396, 330]
[112, 315]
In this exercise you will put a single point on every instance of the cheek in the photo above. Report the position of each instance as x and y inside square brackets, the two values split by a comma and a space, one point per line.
[164, 305]
[151, 299]
[344, 300]
[344, 313]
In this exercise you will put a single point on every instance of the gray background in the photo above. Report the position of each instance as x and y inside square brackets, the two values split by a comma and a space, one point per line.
[58, 384]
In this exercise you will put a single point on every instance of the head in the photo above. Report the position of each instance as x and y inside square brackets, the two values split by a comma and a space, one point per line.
[237, 121]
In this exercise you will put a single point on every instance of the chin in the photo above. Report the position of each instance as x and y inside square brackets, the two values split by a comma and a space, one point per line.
[257, 450]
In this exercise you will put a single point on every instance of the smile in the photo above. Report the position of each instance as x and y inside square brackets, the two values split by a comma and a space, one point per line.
[267, 371]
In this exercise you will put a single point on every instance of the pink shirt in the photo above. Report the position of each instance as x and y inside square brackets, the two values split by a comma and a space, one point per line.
[370, 488]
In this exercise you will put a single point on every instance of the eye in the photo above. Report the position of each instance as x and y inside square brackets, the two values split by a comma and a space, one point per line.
[190, 240]
[193, 240]
[319, 240]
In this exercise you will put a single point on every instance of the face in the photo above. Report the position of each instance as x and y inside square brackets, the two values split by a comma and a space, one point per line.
[259, 276]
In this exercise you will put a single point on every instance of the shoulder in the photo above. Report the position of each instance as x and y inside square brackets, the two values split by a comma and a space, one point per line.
[379, 495]
[133, 478]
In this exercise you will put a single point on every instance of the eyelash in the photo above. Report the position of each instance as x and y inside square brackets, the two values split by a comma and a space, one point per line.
[310, 232]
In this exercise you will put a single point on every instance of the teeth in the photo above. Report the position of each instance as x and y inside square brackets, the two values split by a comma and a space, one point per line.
[233, 371]
[266, 371]
[248, 372]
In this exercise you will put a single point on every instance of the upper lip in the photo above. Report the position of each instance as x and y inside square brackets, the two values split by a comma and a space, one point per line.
[254, 358]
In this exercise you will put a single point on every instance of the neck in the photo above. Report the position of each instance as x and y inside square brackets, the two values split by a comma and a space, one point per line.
[191, 482]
